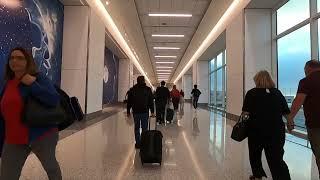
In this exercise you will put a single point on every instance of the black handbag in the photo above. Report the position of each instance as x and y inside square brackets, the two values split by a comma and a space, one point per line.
[38, 115]
[240, 130]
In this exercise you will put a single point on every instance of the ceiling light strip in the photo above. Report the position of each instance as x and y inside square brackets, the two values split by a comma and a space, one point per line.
[165, 56]
[166, 48]
[167, 35]
[164, 62]
[114, 31]
[164, 67]
[233, 10]
[169, 15]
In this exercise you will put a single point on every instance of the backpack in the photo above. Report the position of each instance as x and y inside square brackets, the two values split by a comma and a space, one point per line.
[197, 93]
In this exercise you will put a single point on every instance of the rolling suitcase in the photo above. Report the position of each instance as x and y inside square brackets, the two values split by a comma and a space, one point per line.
[151, 146]
[169, 114]
[77, 108]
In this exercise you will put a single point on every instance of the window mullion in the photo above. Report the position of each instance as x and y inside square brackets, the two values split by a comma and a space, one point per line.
[314, 30]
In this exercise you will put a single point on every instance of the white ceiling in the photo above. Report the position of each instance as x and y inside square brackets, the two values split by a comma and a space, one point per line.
[170, 25]
[270, 4]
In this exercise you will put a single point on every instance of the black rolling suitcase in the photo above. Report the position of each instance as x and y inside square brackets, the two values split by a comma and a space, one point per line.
[77, 108]
[169, 115]
[151, 146]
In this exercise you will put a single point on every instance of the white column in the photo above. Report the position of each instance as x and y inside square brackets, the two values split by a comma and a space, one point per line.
[235, 61]
[258, 43]
[200, 77]
[74, 54]
[124, 78]
[187, 85]
[95, 63]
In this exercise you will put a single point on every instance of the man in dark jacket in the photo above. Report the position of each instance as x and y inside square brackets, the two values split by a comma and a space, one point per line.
[195, 94]
[162, 98]
[140, 99]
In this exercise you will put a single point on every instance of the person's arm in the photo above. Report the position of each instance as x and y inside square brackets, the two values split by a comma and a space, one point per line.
[150, 102]
[129, 101]
[43, 90]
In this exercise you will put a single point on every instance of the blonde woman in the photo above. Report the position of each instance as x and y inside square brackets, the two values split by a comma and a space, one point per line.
[266, 106]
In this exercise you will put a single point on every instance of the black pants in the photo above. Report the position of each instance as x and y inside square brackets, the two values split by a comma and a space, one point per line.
[175, 102]
[273, 147]
[160, 110]
[195, 102]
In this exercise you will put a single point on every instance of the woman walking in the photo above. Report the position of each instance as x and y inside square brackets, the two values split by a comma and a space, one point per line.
[22, 81]
[266, 106]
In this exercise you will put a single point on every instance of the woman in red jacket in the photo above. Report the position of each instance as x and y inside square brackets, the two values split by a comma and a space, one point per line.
[23, 80]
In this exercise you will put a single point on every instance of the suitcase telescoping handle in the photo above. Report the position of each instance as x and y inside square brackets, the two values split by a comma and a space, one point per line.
[149, 122]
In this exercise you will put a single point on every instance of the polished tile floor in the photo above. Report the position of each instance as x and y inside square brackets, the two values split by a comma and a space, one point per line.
[197, 147]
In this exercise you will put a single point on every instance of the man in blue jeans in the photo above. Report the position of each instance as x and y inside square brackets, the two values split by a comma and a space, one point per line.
[140, 99]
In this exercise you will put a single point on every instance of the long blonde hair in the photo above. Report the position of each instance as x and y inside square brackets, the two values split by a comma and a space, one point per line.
[263, 80]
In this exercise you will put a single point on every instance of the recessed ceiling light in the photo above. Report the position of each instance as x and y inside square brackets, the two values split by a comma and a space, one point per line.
[107, 3]
[167, 48]
[164, 70]
[169, 15]
[165, 56]
[164, 67]
[164, 62]
[167, 35]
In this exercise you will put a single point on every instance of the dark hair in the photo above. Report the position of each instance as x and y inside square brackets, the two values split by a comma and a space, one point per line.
[313, 64]
[31, 65]
[163, 83]
[140, 80]
[195, 86]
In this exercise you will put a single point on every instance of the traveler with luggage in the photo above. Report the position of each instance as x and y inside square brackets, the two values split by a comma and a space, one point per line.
[140, 99]
[308, 95]
[23, 82]
[162, 97]
[195, 96]
[175, 96]
[266, 106]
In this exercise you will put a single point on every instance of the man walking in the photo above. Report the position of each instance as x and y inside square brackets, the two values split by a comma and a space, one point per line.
[195, 94]
[308, 95]
[140, 99]
[162, 97]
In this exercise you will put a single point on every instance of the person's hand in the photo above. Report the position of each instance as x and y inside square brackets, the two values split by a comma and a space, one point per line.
[28, 79]
[290, 124]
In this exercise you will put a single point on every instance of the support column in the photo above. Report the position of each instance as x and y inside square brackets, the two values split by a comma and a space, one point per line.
[201, 78]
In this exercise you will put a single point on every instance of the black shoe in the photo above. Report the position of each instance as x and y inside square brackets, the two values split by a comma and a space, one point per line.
[138, 146]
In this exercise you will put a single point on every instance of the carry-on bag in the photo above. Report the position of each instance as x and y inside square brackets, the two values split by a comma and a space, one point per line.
[151, 146]
[77, 108]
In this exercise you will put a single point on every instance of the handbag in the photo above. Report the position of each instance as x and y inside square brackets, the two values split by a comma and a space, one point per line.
[240, 129]
[38, 115]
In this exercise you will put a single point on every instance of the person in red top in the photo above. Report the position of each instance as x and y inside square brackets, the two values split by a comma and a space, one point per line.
[175, 96]
[308, 95]
[19, 140]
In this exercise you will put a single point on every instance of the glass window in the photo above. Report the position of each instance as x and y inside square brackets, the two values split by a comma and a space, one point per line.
[212, 65]
[212, 88]
[291, 14]
[219, 88]
[318, 4]
[219, 60]
[293, 52]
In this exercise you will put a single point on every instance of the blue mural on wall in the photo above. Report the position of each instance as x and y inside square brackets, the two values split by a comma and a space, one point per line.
[110, 79]
[36, 25]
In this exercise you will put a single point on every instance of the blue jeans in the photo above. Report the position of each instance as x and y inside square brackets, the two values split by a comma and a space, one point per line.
[140, 120]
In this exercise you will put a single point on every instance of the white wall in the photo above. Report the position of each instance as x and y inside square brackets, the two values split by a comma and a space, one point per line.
[95, 63]
[74, 52]
[125, 76]
[235, 61]
[187, 85]
[258, 39]
[201, 78]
